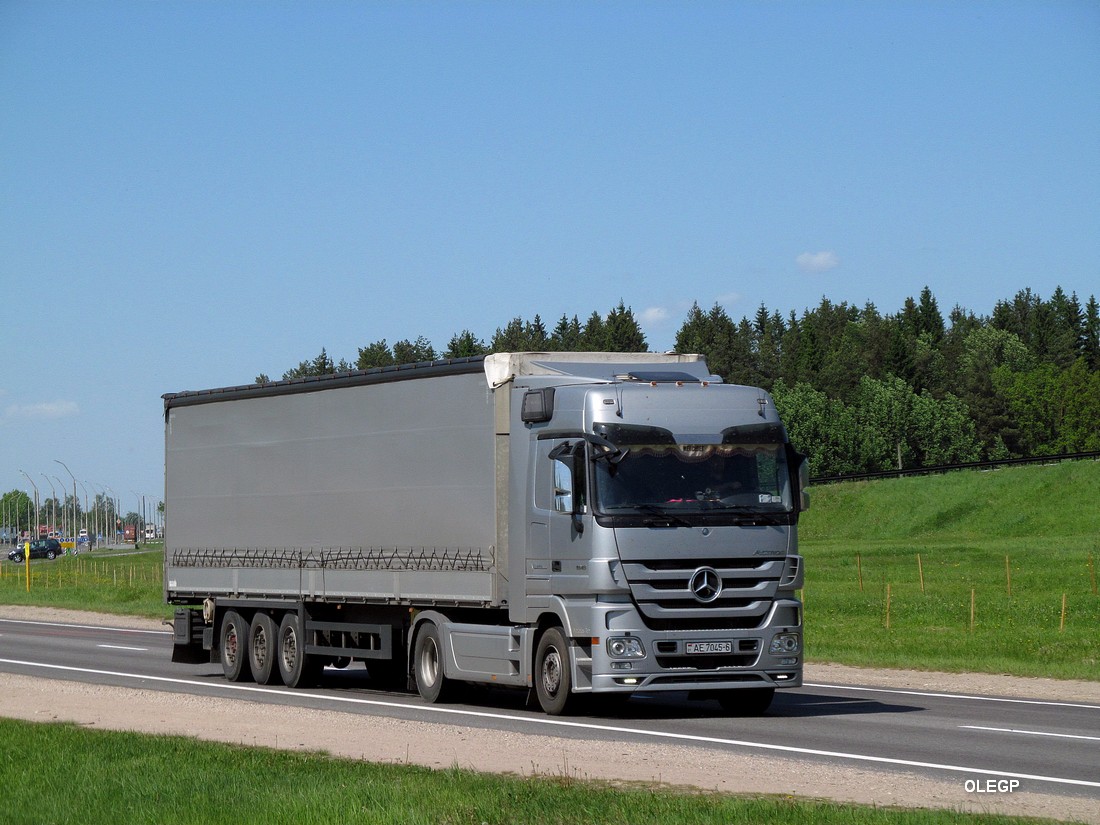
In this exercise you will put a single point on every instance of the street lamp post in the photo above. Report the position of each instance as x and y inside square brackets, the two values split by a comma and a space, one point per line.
[35, 486]
[53, 493]
[83, 486]
[70, 472]
[114, 511]
[61, 486]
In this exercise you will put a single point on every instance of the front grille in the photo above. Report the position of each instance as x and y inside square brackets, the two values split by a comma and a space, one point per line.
[662, 591]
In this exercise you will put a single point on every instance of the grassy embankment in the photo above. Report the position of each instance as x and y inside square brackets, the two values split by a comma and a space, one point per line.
[1008, 560]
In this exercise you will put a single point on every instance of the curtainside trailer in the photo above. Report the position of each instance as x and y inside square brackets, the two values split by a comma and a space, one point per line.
[570, 524]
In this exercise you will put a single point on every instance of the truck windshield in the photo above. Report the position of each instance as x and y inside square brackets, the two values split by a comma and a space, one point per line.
[652, 477]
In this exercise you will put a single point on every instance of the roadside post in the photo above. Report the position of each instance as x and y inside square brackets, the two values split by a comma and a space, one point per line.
[27, 562]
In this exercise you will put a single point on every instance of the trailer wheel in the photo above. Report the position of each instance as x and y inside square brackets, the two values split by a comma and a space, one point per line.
[553, 678]
[262, 646]
[431, 684]
[233, 647]
[747, 701]
[296, 667]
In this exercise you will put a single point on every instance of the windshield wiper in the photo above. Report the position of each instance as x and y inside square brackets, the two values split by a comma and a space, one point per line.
[659, 514]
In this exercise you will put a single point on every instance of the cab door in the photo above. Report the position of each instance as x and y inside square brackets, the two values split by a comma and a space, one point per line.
[570, 542]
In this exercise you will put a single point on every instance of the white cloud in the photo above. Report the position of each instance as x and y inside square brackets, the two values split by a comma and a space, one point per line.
[726, 300]
[817, 261]
[42, 411]
[654, 315]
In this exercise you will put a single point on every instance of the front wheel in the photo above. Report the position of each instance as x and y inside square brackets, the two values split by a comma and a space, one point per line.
[51, 555]
[553, 677]
[431, 684]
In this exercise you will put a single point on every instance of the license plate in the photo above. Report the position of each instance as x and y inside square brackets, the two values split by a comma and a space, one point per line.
[708, 647]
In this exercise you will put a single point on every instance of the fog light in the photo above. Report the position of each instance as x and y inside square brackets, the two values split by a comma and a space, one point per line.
[622, 665]
[785, 643]
[625, 647]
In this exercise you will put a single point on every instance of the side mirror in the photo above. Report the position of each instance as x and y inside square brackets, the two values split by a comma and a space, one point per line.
[565, 457]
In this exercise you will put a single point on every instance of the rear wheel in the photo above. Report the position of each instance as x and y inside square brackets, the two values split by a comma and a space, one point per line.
[746, 702]
[51, 555]
[233, 647]
[296, 668]
[262, 649]
[431, 684]
[553, 677]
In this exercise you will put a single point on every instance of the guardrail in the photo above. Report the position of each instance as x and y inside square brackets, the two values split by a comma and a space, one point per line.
[947, 468]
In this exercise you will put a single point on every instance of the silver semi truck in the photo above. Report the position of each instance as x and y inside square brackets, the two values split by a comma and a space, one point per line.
[572, 524]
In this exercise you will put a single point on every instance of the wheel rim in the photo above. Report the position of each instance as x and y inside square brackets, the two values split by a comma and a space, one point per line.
[259, 645]
[289, 651]
[551, 672]
[231, 644]
[429, 662]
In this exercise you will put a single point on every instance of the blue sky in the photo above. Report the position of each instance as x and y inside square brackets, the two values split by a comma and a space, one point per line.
[192, 193]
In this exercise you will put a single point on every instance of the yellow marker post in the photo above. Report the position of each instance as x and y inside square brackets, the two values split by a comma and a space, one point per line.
[27, 562]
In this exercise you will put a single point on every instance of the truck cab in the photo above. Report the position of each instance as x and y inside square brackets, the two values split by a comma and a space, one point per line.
[661, 535]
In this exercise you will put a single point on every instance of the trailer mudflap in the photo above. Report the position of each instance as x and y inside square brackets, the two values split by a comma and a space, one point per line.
[187, 643]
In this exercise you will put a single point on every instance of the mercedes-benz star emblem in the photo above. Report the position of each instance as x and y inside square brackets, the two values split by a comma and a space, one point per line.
[706, 584]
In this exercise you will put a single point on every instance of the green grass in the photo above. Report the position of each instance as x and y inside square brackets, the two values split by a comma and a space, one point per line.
[109, 581]
[61, 773]
[1044, 520]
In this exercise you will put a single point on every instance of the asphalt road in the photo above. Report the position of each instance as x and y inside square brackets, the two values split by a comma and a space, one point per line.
[1043, 746]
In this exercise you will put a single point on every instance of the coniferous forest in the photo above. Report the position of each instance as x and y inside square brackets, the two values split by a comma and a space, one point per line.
[859, 390]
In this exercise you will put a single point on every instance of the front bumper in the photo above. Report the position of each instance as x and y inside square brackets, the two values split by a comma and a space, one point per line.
[693, 660]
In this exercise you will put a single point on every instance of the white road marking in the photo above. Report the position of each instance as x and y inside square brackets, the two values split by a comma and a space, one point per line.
[87, 627]
[124, 647]
[1031, 732]
[931, 695]
[553, 722]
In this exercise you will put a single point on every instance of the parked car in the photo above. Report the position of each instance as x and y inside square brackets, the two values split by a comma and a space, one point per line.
[40, 549]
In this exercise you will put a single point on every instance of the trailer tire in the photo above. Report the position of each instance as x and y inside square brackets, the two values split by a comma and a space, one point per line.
[263, 649]
[233, 647]
[431, 684]
[746, 701]
[553, 677]
[296, 667]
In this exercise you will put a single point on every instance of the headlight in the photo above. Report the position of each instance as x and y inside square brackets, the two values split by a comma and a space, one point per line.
[625, 647]
[785, 643]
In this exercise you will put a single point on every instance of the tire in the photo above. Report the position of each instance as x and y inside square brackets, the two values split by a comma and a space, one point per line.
[233, 647]
[262, 645]
[746, 702]
[553, 677]
[51, 555]
[19, 559]
[431, 684]
[296, 668]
